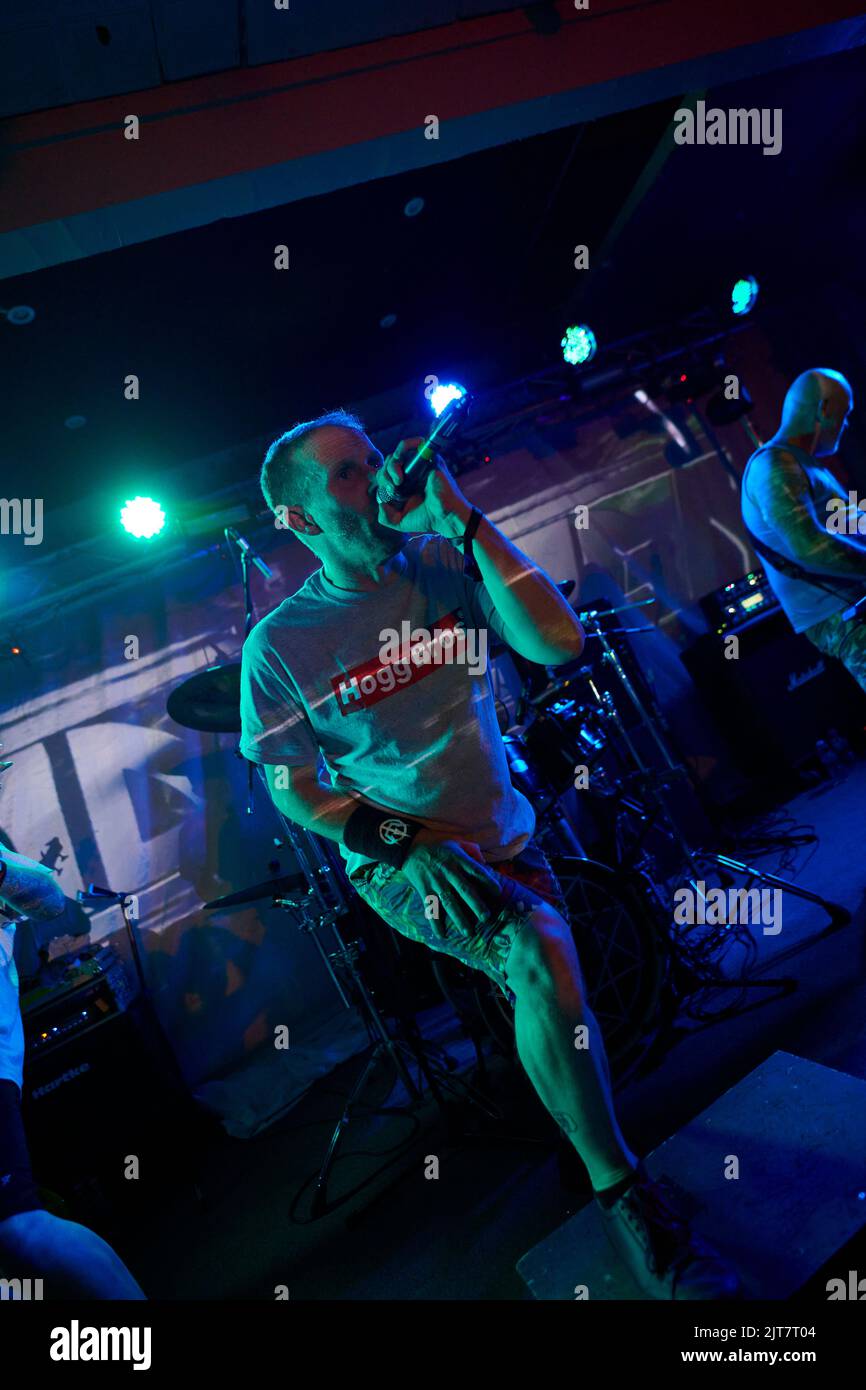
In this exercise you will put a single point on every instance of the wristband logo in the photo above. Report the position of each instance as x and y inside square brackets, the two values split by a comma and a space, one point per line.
[393, 831]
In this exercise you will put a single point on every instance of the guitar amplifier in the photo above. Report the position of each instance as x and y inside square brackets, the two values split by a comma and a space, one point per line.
[99, 1090]
[778, 697]
[73, 997]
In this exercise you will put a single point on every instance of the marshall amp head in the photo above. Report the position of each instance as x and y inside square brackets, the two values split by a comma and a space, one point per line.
[736, 604]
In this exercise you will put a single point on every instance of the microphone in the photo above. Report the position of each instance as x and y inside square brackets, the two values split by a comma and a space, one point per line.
[424, 460]
[857, 610]
[251, 554]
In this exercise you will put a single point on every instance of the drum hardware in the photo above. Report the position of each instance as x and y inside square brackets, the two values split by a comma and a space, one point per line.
[327, 899]
[696, 859]
[316, 910]
[269, 888]
[592, 620]
[638, 793]
[209, 701]
[620, 947]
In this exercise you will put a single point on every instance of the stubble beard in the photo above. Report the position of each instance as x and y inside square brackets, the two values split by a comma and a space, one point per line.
[366, 538]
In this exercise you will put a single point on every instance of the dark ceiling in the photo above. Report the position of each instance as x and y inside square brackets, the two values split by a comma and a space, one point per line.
[482, 282]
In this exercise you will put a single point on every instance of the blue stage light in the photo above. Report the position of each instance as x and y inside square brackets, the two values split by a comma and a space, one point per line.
[443, 395]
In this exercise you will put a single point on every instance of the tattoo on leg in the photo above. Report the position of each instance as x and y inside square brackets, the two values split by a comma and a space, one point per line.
[567, 1122]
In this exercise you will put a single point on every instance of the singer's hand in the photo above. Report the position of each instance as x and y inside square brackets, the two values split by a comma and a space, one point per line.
[442, 508]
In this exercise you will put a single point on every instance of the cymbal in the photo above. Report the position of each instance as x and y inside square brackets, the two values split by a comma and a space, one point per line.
[209, 701]
[272, 888]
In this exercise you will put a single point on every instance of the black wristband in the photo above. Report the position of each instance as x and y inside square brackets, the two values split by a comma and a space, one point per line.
[470, 566]
[383, 835]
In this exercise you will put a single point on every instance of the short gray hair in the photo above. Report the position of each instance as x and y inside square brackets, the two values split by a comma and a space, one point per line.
[282, 471]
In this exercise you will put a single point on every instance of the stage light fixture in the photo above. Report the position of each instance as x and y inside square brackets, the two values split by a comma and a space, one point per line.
[743, 295]
[20, 313]
[444, 394]
[721, 411]
[142, 518]
[578, 345]
[693, 379]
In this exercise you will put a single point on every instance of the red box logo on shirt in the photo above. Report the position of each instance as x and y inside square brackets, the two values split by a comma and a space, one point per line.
[374, 680]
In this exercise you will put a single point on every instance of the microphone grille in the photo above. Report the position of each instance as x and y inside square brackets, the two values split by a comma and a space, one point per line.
[385, 492]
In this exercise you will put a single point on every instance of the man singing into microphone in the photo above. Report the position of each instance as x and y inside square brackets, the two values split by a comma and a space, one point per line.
[435, 836]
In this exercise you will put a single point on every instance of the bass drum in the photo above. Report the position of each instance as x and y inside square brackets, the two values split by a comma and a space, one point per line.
[621, 958]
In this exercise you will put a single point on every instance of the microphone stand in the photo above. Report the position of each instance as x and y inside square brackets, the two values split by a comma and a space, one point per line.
[249, 621]
[856, 612]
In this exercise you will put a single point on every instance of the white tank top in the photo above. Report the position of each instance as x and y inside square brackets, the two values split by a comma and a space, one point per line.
[804, 604]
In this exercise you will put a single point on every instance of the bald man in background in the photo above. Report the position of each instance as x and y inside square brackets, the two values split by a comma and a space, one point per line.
[796, 509]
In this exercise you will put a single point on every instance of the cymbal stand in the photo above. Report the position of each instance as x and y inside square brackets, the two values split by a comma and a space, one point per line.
[325, 901]
[693, 857]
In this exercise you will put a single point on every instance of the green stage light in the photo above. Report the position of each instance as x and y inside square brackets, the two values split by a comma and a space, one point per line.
[142, 518]
[744, 294]
[578, 345]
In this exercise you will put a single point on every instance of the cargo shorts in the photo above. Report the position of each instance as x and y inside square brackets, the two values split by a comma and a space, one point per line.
[527, 881]
[845, 641]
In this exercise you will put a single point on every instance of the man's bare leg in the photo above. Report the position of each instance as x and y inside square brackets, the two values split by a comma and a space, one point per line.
[654, 1241]
[573, 1082]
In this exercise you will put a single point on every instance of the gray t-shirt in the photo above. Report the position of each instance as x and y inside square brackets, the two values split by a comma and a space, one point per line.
[411, 735]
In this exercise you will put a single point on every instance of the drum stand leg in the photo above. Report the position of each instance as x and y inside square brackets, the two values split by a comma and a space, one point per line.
[397, 1052]
[378, 1049]
[839, 915]
[429, 1058]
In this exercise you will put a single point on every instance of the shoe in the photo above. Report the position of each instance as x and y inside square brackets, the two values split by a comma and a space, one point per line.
[649, 1228]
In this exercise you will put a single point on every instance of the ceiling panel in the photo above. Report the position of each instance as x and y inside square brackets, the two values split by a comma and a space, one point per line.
[74, 51]
[77, 54]
[196, 36]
